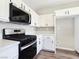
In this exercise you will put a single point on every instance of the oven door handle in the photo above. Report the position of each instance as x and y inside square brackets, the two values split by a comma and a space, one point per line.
[26, 46]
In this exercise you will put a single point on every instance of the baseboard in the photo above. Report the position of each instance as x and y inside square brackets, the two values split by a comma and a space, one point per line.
[48, 51]
[65, 48]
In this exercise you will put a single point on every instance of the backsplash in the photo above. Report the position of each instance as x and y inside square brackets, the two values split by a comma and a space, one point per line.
[45, 30]
[28, 29]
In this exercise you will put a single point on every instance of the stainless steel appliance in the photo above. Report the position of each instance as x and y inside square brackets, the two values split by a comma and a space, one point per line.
[19, 16]
[27, 46]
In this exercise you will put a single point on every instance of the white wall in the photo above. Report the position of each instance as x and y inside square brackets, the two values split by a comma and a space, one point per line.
[65, 33]
[77, 33]
[28, 29]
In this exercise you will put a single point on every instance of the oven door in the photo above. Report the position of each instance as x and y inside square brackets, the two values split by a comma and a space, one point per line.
[28, 51]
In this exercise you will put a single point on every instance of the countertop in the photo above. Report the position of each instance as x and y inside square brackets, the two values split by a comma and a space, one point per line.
[7, 43]
[46, 34]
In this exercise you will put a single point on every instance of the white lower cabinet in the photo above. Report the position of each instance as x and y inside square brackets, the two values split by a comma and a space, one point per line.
[9, 52]
[15, 57]
[46, 43]
[49, 43]
[39, 44]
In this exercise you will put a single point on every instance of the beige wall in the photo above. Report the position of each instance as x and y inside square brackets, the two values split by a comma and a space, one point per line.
[65, 33]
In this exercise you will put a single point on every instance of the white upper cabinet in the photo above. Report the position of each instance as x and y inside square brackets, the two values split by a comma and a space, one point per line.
[74, 11]
[39, 43]
[4, 10]
[64, 12]
[18, 3]
[34, 18]
[67, 12]
[21, 5]
[46, 20]
[26, 8]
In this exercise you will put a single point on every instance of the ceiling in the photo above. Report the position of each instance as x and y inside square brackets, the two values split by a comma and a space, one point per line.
[39, 4]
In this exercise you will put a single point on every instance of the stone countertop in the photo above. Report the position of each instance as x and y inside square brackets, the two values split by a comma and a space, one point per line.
[7, 43]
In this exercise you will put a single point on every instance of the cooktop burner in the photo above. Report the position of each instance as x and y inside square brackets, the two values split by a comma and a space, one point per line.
[25, 39]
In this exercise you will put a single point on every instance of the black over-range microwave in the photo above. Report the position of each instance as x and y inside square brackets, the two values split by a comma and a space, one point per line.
[19, 16]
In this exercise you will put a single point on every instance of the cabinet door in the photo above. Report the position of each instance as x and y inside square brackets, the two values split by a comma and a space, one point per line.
[74, 11]
[24, 7]
[9, 52]
[4, 10]
[48, 44]
[21, 5]
[49, 19]
[63, 12]
[39, 45]
[27, 8]
[42, 21]
[34, 18]
[46, 20]
[18, 3]
[15, 57]
[68, 12]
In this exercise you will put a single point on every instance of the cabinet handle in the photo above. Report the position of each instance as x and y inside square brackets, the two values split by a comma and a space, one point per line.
[53, 29]
[34, 23]
[65, 12]
[21, 5]
[24, 7]
[39, 42]
[29, 9]
[68, 12]
[52, 41]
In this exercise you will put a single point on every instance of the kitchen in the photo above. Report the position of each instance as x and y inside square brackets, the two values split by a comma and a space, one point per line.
[42, 31]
